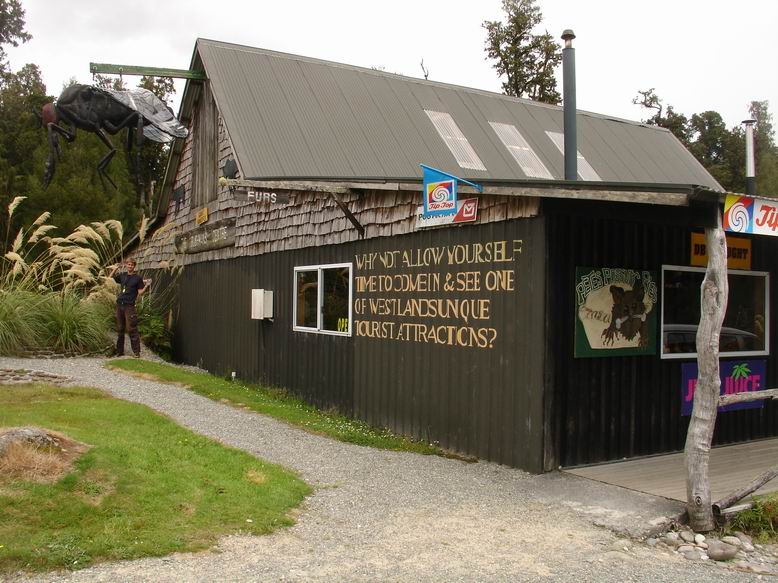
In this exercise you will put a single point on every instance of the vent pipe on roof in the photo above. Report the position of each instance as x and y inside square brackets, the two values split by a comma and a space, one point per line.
[568, 82]
[750, 166]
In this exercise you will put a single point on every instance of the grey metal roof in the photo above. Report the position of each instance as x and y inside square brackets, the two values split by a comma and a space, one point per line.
[297, 117]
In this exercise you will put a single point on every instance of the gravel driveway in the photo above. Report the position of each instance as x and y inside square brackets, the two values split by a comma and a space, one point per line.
[389, 516]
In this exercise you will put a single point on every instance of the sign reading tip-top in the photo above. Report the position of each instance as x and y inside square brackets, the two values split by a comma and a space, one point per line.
[748, 214]
[440, 195]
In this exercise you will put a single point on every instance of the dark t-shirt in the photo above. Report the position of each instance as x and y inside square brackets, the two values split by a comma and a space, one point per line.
[130, 286]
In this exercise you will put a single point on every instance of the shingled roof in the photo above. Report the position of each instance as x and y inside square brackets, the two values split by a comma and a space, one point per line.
[292, 117]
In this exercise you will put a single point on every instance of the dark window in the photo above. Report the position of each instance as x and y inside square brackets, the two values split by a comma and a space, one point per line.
[307, 292]
[745, 329]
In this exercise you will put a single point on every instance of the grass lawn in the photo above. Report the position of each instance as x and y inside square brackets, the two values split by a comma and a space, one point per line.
[279, 404]
[145, 487]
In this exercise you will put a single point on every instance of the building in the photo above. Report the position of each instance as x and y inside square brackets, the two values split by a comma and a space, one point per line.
[551, 330]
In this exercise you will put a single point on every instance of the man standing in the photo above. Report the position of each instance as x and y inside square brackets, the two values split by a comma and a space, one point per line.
[132, 287]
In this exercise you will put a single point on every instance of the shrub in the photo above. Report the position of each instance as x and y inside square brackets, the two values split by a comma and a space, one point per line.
[72, 324]
[761, 520]
[152, 325]
[20, 328]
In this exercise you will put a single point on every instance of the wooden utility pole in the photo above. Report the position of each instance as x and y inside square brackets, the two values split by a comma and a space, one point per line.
[713, 306]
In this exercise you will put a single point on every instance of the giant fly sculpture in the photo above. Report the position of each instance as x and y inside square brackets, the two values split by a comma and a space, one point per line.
[103, 112]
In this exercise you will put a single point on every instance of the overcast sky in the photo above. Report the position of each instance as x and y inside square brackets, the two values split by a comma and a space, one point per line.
[698, 54]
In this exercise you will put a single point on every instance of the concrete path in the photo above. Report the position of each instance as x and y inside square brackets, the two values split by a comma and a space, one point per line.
[388, 516]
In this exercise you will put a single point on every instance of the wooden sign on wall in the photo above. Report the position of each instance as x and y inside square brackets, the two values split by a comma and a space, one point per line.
[256, 196]
[738, 252]
[207, 238]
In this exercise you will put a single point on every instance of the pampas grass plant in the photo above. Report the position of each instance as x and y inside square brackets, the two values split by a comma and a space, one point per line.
[54, 291]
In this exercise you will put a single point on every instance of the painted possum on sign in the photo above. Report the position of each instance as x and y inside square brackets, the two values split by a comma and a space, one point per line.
[628, 317]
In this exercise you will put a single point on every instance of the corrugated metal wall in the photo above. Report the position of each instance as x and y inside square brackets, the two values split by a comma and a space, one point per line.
[482, 401]
[610, 408]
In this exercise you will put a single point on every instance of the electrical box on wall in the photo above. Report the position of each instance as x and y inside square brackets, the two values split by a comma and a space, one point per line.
[261, 304]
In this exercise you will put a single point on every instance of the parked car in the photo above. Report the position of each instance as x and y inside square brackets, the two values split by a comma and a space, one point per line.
[682, 339]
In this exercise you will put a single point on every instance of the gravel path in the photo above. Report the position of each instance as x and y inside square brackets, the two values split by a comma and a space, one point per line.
[389, 516]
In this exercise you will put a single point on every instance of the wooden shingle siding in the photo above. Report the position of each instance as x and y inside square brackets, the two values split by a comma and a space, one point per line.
[311, 219]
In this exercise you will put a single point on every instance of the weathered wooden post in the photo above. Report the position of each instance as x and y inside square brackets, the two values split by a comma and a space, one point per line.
[713, 306]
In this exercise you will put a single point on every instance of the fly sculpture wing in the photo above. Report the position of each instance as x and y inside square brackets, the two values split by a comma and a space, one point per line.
[103, 112]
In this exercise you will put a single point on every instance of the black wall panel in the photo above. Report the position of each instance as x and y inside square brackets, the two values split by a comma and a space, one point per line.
[485, 401]
[602, 409]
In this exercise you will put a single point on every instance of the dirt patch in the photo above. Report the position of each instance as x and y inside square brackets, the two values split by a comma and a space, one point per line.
[256, 477]
[32, 462]
[96, 485]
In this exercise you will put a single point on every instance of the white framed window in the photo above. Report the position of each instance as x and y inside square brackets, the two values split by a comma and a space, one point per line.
[323, 298]
[746, 328]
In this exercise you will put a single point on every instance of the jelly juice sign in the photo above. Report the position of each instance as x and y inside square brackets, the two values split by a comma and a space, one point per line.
[737, 376]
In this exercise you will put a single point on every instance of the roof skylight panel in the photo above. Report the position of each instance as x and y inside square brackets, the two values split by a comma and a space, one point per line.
[456, 141]
[585, 170]
[522, 152]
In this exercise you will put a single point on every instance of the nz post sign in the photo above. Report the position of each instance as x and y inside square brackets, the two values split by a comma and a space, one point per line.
[737, 376]
[748, 214]
[440, 192]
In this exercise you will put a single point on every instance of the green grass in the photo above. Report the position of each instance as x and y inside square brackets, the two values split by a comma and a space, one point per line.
[146, 487]
[279, 404]
[759, 521]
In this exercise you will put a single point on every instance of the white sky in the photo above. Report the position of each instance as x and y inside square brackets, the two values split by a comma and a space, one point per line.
[698, 54]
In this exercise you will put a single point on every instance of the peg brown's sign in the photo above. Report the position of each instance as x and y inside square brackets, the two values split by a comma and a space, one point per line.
[257, 196]
[738, 252]
[207, 238]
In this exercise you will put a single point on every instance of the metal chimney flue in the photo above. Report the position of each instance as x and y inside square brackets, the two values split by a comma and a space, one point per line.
[568, 82]
[750, 166]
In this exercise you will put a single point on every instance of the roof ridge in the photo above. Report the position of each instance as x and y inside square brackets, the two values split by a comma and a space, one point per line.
[378, 72]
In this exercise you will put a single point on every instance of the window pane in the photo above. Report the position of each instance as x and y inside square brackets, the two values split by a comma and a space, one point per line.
[336, 299]
[307, 298]
[744, 323]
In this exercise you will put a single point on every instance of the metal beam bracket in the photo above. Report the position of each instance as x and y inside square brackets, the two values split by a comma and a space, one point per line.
[149, 71]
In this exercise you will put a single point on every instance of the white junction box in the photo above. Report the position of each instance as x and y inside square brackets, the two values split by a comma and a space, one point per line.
[261, 304]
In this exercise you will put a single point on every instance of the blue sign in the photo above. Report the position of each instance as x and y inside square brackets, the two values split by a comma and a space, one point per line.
[737, 376]
[440, 192]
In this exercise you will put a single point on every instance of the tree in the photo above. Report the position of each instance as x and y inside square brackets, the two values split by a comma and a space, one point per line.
[720, 150]
[765, 149]
[11, 28]
[675, 122]
[526, 59]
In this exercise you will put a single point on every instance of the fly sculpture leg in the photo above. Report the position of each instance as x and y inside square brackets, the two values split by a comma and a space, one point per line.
[113, 129]
[55, 154]
[101, 166]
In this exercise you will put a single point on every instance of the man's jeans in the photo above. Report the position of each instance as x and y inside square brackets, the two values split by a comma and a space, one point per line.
[127, 320]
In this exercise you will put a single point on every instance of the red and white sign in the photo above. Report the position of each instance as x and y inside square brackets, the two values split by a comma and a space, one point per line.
[467, 212]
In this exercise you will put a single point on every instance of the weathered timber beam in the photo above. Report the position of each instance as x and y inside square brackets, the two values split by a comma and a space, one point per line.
[660, 198]
[747, 397]
[349, 215]
[749, 488]
[307, 186]
[732, 510]
[149, 71]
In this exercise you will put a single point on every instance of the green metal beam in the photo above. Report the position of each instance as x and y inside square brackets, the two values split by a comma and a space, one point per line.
[149, 71]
